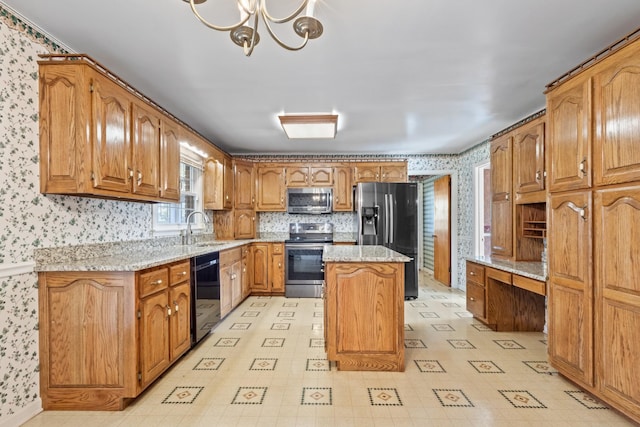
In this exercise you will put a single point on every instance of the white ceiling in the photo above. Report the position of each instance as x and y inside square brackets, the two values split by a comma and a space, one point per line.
[406, 77]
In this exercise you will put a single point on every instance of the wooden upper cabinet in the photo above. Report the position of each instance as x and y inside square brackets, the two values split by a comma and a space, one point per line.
[309, 176]
[342, 189]
[244, 224]
[501, 203]
[380, 172]
[146, 150]
[366, 172]
[244, 185]
[214, 183]
[99, 139]
[528, 159]
[169, 160]
[393, 172]
[111, 167]
[568, 143]
[616, 107]
[227, 181]
[570, 285]
[271, 188]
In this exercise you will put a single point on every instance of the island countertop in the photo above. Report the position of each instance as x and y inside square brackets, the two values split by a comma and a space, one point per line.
[357, 253]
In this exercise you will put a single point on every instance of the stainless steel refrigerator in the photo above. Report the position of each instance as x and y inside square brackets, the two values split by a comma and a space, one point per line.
[387, 215]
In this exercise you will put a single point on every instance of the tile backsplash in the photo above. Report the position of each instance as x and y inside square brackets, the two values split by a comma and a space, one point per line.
[279, 221]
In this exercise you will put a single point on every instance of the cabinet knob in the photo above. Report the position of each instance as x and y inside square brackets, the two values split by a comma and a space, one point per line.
[538, 175]
[168, 310]
[176, 306]
[506, 196]
[157, 282]
[184, 273]
[472, 273]
[279, 265]
[472, 299]
[139, 177]
[583, 166]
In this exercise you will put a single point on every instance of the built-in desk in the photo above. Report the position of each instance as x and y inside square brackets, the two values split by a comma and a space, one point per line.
[364, 307]
[507, 295]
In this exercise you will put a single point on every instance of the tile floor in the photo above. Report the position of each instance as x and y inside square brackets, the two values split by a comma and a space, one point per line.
[265, 365]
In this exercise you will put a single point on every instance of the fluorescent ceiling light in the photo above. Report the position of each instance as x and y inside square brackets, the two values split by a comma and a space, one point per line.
[309, 126]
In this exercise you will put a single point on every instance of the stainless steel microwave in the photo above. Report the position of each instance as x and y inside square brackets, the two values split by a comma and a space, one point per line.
[309, 200]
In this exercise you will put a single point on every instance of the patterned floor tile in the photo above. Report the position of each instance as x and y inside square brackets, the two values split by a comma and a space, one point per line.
[414, 343]
[486, 367]
[318, 304]
[290, 304]
[183, 395]
[541, 367]
[263, 365]
[251, 314]
[316, 326]
[286, 314]
[384, 397]
[521, 399]
[463, 314]
[408, 328]
[451, 304]
[418, 304]
[543, 342]
[509, 344]
[316, 342]
[318, 314]
[316, 396]
[452, 398]
[273, 342]
[249, 396]
[281, 326]
[429, 315]
[461, 344]
[586, 400]
[439, 297]
[318, 365]
[442, 327]
[481, 328]
[227, 342]
[240, 326]
[209, 364]
[258, 304]
[431, 366]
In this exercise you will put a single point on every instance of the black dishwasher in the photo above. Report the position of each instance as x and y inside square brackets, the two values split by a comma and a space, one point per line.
[205, 295]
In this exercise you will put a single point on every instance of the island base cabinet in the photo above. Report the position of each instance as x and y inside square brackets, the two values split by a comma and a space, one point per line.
[364, 316]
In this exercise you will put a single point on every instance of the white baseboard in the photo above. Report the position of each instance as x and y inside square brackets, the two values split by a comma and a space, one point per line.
[23, 415]
[16, 269]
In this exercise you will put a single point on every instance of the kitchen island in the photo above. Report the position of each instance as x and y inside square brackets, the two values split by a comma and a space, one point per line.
[364, 307]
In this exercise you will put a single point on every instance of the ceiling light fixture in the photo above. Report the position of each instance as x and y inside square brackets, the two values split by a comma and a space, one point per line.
[309, 126]
[245, 32]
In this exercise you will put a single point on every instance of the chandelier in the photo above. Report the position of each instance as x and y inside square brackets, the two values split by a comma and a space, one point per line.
[245, 32]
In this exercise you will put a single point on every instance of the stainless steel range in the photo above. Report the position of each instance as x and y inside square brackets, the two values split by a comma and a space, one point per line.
[304, 270]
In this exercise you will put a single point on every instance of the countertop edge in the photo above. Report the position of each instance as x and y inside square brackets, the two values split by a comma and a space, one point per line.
[530, 269]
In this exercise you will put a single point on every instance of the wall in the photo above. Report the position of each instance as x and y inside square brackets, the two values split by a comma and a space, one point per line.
[29, 220]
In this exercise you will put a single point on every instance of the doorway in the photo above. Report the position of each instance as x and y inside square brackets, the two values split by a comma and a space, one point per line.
[442, 230]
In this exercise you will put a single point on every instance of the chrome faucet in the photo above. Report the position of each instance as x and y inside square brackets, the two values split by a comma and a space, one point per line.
[187, 239]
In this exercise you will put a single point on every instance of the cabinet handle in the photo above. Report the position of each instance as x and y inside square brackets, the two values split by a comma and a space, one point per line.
[538, 175]
[337, 199]
[583, 213]
[583, 166]
[130, 173]
[472, 299]
[157, 282]
[168, 310]
[253, 218]
[226, 196]
[176, 306]
[139, 177]
[279, 265]
[184, 273]
[506, 196]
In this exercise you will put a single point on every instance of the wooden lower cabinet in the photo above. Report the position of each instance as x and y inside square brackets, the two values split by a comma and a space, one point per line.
[105, 336]
[364, 316]
[276, 268]
[476, 294]
[231, 294]
[267, 268]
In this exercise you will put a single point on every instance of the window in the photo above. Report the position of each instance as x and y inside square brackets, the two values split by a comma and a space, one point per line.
[171, 217]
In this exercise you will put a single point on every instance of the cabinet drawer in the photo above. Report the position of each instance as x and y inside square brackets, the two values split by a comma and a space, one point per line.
[475, 273]
[179, 273]
[475, 299]
[152, 281]
[528, 284]
[230, 256]
[498, 275]
[277, 248]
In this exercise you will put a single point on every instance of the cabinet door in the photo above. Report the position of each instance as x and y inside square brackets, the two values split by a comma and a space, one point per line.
[245, 221]
[364, 172]
[111, 136]
[169, 160]
[226, 284]
[236, 285]
[228, 183]
[568, 144]
[244, 185]
[616, 107]
[180, 320]
[320, 176]
[246, 271]
[260, 270]
[617, 293]
[343, 189]
[501, 207]
[271, 189]
[146, 150]
[570, 305]
[276, 273]
[154, 336]
[297, 176]
[213, 184]
[393, 173]
[528, 158]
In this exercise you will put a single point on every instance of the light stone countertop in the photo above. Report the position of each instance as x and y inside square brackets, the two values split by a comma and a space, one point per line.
[530, 269]
[357, 253]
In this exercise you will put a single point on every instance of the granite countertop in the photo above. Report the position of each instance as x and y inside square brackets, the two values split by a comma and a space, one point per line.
[342, 237]
[357, 253]
[531, 269]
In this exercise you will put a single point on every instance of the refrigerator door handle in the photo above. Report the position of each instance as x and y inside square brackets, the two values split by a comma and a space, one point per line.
[392, 222]
[386, 219]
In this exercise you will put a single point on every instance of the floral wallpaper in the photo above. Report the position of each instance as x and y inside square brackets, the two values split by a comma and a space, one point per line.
[30, 220]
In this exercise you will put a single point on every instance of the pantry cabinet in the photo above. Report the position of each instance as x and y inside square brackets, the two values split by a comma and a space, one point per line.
[105, 336]
[99, 139]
